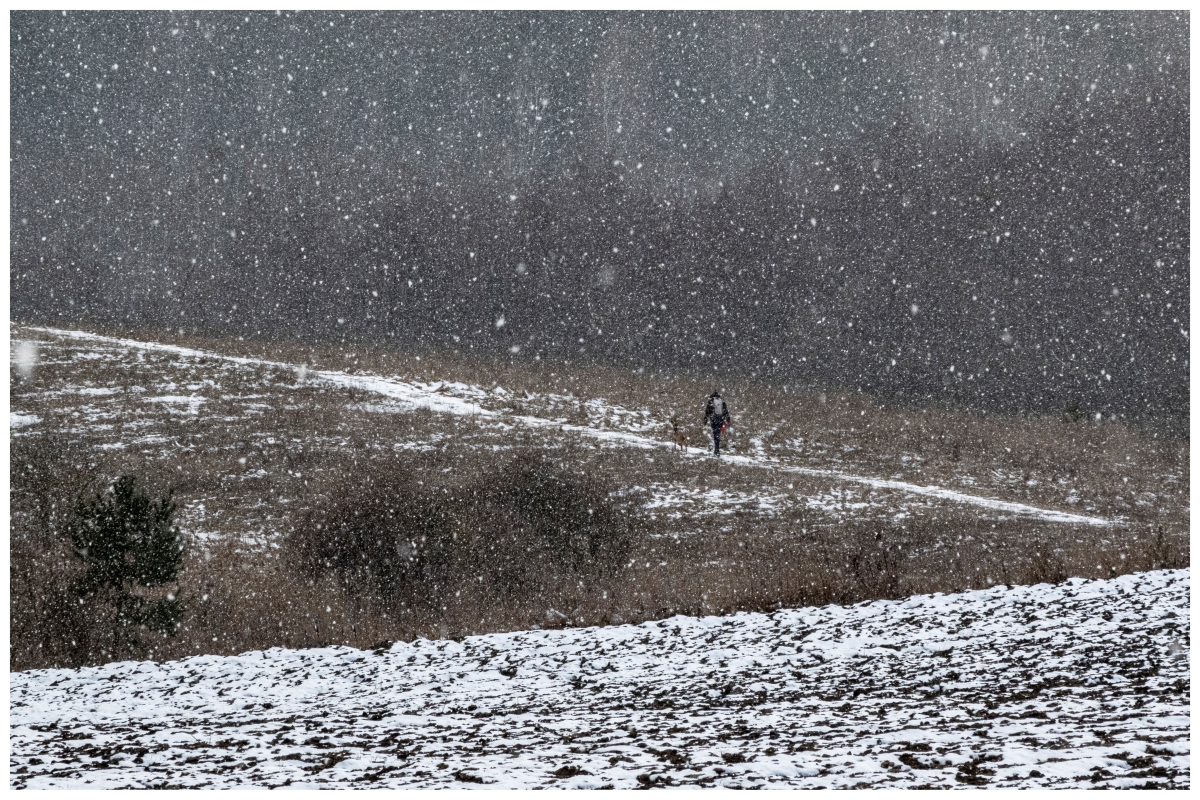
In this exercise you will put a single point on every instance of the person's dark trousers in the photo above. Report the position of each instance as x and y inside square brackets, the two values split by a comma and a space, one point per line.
[717, 439]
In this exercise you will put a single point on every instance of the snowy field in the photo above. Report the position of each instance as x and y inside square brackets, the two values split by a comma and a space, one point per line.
[1081, 684]
[1084, 683]
[197, 386]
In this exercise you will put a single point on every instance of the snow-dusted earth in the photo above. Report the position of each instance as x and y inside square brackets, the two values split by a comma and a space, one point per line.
[1080, 684]
[630, 429]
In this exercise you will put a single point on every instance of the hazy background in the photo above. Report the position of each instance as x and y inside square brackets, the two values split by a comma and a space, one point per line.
[986, 210]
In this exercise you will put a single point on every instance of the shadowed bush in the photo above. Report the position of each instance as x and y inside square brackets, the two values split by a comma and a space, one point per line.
[380, 530]
[514, 534]
[535, 522]
[48, 627]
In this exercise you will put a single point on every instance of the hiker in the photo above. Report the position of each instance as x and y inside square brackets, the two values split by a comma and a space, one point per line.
[716, 412]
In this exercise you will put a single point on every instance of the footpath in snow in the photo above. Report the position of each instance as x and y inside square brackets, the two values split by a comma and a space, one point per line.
[460, 399]
[1081, 684]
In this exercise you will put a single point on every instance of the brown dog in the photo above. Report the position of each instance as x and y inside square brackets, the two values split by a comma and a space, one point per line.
[678, 436]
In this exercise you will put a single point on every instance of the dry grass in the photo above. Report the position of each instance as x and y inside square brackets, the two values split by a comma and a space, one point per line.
[241, 599]
[1035, 459]
[246, 475]
[869, 561]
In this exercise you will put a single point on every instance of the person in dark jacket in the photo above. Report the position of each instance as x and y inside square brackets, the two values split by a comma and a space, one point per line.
[716, 413]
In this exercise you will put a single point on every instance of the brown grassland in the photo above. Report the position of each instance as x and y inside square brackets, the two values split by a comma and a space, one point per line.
[263, 456]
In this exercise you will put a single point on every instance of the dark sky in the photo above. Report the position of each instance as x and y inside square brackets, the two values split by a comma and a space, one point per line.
[859, 200]
[692, 97]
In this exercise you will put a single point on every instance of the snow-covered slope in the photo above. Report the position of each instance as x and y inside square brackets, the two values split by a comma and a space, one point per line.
[639, 431]
[1080, 684]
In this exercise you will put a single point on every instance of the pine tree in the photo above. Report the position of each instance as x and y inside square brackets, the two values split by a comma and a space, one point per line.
[128, 543]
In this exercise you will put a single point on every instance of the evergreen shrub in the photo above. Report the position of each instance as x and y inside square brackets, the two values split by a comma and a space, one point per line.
[128, 544]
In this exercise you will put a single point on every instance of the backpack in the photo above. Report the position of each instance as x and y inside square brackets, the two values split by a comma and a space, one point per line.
[718, 407]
